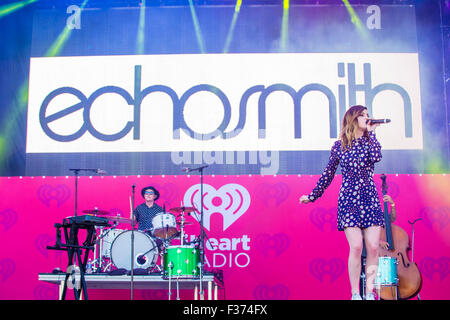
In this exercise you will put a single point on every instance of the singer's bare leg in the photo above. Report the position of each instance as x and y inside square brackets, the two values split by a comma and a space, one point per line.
[355, 241]
[372, 240]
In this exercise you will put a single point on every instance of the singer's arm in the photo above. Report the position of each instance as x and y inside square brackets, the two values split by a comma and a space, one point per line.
[375, 154]
[327, 175]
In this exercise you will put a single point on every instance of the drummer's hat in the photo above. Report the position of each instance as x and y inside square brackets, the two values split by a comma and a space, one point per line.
[152, 188]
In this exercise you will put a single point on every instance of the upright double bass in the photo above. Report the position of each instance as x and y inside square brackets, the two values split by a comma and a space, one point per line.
[409, 277]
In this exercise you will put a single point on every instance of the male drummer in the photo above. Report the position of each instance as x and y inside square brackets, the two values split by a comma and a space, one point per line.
[146, 211]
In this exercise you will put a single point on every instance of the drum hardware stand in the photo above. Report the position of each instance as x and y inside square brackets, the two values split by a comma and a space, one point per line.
[363, 277]
[202, 296]
[202, 234]
[363, 281]
[158, 268]
[76, 173]
[132, 244]
[378, 289]
[412, 224]
[170, 265]
[182, 235]
[96, 263]
[99, 261]
[202, 231]
[100, 248]
[178, 288]
[182, 228]
[197, 239]
[412, 249]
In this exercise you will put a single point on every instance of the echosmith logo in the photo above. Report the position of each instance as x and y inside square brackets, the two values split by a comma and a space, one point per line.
[283, 81]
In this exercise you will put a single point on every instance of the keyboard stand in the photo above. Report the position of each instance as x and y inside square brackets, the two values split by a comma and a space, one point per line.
[75, 252]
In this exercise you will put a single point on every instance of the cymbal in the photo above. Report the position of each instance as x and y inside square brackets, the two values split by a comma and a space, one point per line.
[96, 211]
[119, 219]
[182, 209]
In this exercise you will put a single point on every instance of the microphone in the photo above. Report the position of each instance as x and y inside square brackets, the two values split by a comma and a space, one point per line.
[194, 169]
[376, 121]
[98, 171]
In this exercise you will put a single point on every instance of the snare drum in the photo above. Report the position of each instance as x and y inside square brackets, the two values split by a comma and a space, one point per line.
[164, 225]
[145, 250]
[182, 262]
[387, 272]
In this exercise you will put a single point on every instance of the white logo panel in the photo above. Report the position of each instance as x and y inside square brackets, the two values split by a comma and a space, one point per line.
[218, 102]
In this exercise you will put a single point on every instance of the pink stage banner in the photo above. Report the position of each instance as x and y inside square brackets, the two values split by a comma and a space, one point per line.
[267, 245]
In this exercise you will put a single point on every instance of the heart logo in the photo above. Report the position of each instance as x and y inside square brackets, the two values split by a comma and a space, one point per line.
[429, 266]
[321, 217]
[47, 193]
[333, 268]
[276, 244]
[439, 216]
[276, 292]
[45, 292]
[8, 218]
[273, 194]
[7, 269]
[231, 201]
[42, 241]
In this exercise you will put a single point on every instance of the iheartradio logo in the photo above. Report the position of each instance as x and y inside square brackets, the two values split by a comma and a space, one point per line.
[231, 201]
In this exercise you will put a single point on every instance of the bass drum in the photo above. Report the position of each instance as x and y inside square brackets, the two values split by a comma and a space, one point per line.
[107, 241]
[145, 251]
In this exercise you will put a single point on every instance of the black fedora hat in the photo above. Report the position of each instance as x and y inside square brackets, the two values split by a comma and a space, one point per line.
[150, 188]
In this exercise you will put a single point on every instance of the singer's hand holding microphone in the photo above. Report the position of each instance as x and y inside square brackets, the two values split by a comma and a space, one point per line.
[373, 123]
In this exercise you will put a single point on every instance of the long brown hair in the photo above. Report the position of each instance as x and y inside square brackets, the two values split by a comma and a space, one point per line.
[350, 126]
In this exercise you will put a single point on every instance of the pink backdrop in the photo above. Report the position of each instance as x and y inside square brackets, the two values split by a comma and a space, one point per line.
[284, 251]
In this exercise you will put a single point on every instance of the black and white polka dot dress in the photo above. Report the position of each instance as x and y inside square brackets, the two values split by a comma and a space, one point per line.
[358, 204]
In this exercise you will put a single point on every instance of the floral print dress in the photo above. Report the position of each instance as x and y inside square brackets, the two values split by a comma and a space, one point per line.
[358, 204]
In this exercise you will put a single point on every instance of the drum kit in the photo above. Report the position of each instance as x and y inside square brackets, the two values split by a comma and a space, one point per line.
[130, 250]
[154, 250]
[387, 273]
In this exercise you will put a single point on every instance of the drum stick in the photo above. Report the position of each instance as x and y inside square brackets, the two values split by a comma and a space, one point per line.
[131, 209]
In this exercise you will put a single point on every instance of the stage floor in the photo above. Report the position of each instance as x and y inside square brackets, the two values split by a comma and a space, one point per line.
[209, 284]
